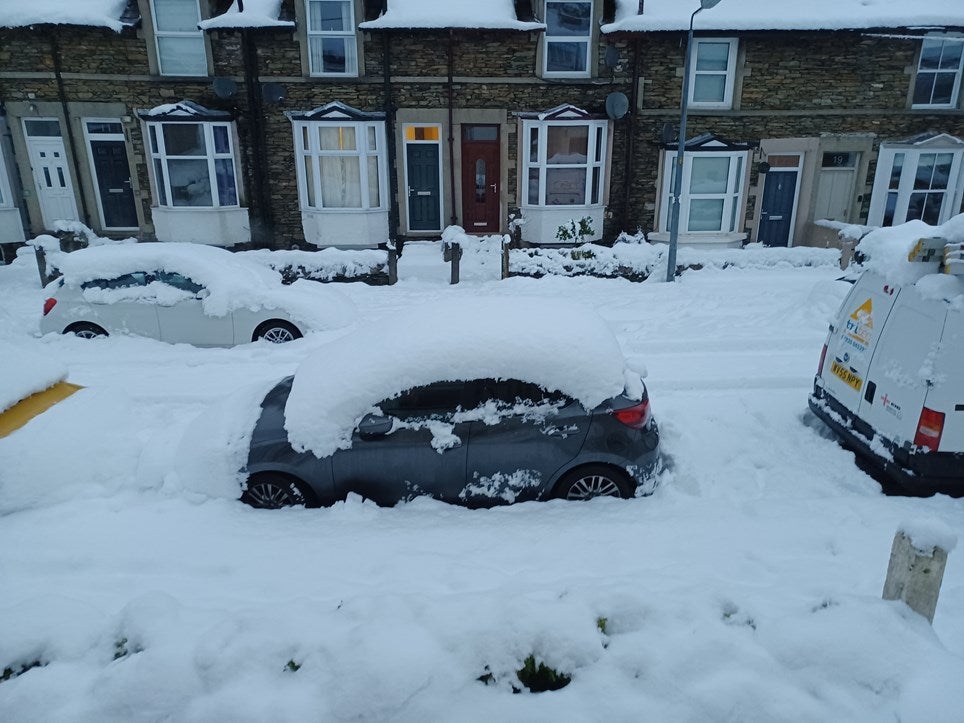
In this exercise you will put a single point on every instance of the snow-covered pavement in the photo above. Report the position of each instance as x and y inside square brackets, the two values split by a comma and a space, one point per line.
[747, 588]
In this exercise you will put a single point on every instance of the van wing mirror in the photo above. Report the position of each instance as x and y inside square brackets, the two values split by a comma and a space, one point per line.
[375, 425]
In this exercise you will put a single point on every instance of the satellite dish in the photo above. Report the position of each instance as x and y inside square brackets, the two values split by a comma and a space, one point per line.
[617, 104]
[224, 87]
[273, 93]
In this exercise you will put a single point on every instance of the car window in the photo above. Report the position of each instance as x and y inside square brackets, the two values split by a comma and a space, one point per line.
[138, 278]
[178, 281]
[428, 400]
[515, 391]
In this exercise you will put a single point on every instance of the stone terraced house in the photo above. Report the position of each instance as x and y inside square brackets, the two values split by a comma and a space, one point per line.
[312, 123]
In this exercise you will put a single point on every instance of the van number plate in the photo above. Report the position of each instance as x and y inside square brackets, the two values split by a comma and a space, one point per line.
[849, 378]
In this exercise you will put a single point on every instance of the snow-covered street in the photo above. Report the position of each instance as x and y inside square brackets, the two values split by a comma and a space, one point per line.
[747, 588]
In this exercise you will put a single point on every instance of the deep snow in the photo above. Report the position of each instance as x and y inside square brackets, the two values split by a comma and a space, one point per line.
[746, 588]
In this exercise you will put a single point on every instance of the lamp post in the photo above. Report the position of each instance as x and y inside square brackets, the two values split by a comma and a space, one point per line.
[681, 149]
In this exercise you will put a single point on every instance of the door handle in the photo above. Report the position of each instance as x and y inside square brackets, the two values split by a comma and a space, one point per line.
[494, 187]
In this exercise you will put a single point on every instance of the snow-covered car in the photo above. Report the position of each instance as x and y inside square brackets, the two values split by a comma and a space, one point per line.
[201, 295]
[469, 402]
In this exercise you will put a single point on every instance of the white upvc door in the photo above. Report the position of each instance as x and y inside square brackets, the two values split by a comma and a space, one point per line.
[51, 175]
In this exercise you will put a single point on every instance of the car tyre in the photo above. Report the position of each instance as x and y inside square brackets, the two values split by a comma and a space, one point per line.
[276, 331]
[85, 330]
[268, 491]
[585, 483]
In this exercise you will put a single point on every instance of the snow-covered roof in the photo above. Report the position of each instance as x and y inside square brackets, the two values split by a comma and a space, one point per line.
[556, 344]
[256, 14]
[785, 15]
[95, 13]
[186, 109]
[474, 14]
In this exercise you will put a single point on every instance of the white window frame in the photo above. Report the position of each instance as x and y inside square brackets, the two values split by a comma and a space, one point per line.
[596, 159]
[160, 34]
[733, 196]
[6, 195]
[313, 154]
[729, 73]
[905, 185]
[348, 36]
[956, 87]
[157, 151]
[551, 39]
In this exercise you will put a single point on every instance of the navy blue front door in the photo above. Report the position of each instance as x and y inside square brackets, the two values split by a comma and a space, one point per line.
[424, 209]
[779, 191]
[114, 183]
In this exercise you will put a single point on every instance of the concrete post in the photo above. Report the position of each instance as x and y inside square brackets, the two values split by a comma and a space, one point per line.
[915, 575]
[506, 241]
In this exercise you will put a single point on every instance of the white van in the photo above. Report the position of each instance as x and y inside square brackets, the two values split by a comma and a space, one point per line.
[891, 375]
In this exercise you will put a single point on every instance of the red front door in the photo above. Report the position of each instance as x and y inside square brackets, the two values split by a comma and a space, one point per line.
[481, 192]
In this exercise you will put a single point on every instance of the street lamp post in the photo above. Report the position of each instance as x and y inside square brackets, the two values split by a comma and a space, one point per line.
[681, 149]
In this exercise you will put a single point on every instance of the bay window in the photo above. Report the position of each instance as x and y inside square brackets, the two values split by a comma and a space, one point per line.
[565, 162]
[938, 80]
[568, 37]
[179, 42]
[193, 164]
[924, 183]
[712, 72]
[711, 191]
[341, 164]
[331, 38]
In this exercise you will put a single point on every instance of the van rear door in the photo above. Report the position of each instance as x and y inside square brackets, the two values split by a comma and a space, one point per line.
[946, 394]
[854, 336]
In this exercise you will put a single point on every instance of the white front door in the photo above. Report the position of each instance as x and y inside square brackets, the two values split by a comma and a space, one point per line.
[51, 174]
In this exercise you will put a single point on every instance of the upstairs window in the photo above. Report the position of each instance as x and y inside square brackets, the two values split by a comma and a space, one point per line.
[180, 44]
[331, 38]
[938, 79]
[193, 164]
[567, 38]
[712, 72]
[565, 162]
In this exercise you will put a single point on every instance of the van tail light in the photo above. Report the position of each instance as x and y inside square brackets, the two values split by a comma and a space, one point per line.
[636, 417]
[929, 429]
[823, 358]
[48, 305]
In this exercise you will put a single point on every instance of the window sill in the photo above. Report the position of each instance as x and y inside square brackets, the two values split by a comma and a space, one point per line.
[224, 226]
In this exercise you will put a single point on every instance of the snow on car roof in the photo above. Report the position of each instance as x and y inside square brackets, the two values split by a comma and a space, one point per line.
[556, 344]
[26, 372]
[233, 282]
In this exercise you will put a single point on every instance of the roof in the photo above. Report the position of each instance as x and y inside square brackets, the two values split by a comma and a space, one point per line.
[463, 14]
[765, 15]
[256, 14]
[94, 13]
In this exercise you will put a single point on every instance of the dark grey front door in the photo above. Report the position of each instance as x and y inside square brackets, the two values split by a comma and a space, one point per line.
[424, 209]
[779, 192]
[114, 183]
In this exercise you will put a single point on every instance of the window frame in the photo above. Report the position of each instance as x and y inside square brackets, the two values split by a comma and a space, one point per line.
[6, 193]
[350, 38]
[734, 197]
[596, 159]
[157, 152]
[160, 34]
[729, 74]
[362, 152]
[957, 73]
[904, 190]
[548, 39]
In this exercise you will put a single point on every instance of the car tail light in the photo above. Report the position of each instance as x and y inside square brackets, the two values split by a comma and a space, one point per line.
[823, 358]
[636, 417]
[929, 429]
[48, 305]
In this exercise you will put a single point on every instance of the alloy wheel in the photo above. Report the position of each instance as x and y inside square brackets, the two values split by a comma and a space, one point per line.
[594, 485]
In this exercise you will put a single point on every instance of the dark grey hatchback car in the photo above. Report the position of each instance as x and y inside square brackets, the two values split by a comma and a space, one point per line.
[478, 443]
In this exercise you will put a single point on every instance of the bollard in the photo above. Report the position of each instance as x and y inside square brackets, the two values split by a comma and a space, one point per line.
[41, 264]
[506, 240]
[392, 265]
[456, 253]
[914, 575]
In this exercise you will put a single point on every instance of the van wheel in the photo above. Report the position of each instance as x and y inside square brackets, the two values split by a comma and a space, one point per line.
[271, 491]
[276, 331]
[593, 480]
[85, 330]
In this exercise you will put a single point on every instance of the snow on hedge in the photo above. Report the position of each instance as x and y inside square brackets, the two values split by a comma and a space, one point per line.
[556, 344]
[233, 282]
[26, 372]
[324, 264]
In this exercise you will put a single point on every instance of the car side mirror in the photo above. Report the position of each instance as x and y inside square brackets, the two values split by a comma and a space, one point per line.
[203, 293]
[375, 425]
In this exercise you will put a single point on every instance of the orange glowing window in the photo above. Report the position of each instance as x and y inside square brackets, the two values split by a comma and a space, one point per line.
[422, 133]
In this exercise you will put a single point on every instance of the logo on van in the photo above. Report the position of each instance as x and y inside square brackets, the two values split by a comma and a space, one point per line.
[860, 326]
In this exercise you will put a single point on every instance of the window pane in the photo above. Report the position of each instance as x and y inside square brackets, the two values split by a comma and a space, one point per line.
[943, 88]
[895, 171]
[566, 57]
[340, 182]
[176, 15]
[336, 138]
[565, 186]
[709, 88]
[222, 144]
[951, 57]
[533, 145]
[182, 56]
[372, 139]
[932, 208]
[533, 198]
[159, 181]
[227, 187]
[712, 56]
[924, 88]
[567, 144]
[595, 185]
[37, 128]
[330, 16]
[709, 174]
[190, 182]
[374, 195]
[334, 55]
[105, 127]
[890, 209]
[480, 133]
[706, 214]
[925, 171]
[310, 180]
[184, 139]
[568, 18]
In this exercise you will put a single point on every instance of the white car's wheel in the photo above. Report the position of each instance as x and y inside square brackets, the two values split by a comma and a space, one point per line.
[277, 332]
[85, 330]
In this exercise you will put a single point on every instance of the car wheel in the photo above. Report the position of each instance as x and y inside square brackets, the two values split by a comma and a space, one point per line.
[272, 492]
[85, 330]
[276, 331]
[585, 483]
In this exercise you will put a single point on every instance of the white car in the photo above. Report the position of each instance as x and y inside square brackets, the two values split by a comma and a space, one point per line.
[201, 295]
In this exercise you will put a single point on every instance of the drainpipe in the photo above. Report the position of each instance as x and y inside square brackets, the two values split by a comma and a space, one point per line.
[393, 219]
[631, 141]
[262, 224]
[451, 93]
[62, 94]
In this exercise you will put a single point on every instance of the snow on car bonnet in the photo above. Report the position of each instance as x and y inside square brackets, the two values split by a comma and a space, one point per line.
[558, 345]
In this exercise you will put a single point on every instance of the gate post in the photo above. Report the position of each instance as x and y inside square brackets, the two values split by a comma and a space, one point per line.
[916, 569]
